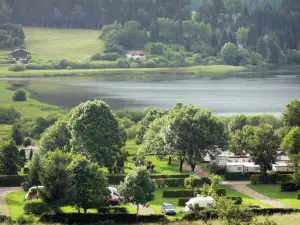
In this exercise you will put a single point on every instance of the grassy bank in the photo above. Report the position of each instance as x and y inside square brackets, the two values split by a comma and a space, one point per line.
[30, 108]
[273, 191]
[209, 71]
[56, 44]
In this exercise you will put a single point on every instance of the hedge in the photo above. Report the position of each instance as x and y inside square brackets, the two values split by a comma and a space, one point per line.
[289, 187]
[236, 200]
[113, 210]
[273, 178]
[188, 193]
[116, 179]
[256, 211]
[170, 182]
[36, 207]
[75, 218]
[246, 176]
[12, 180]
[182, 201]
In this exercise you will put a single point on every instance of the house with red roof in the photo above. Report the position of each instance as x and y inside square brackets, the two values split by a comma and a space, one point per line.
[136, 55]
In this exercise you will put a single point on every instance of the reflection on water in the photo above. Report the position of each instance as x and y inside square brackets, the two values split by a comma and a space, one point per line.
[222, 96]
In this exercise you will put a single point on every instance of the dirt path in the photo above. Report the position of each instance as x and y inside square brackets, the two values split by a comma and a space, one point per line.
[3, 204]
[244, 189]
[145, 210]
[198, 170]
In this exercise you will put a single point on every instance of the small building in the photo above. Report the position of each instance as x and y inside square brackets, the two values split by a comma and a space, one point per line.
[136, 55]
[243, 167]
[283, 163]
[20, 55]
[228, 157]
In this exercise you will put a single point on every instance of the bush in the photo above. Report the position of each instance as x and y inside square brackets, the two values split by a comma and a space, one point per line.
[8, 115]
[111, 56]
[4, 218]
[182, 201]
[188, 193]
[271, 178]
[170, 182]
[193, 181]
[69, 68]
[236, 200]
[16, 68]
[27, 142]
[25, 186]
[289, 187]
[298, 195]
[112, 210]
[239, 176]
[36, 207]
[74, 218]
[19, 95]
[11, 180]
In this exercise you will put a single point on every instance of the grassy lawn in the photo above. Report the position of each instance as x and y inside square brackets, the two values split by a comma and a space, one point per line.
[71, 44]
[246, 199]
[205, 71]
[5, 130]
[273, 191]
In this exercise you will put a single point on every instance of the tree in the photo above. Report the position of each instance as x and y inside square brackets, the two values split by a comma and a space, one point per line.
[55, 137]
[224, 38]
[56, 176]
[5, 12]
[91, 184]
[291, 145]
[237, 123]
[27, 142]
[260, 142]
[157, 48]
[252, 37]
[241, 35]
[191, 133]
[154, 31]
[35, 167]
[10, 160]
[95, 132]
[17, 134]
[137, 188]
[77, 16]
[291, 115]
[19, 95]
[262, 48]
[230, 53]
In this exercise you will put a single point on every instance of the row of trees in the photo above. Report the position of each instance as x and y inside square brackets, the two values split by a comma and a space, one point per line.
[10, 35]
[92, 13]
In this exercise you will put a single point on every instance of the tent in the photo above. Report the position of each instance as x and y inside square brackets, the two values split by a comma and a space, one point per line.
[202, 202]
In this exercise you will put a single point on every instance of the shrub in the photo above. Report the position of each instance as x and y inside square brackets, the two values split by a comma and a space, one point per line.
[182, 201]
[16, 68]
[288, 187]
[8, 115]
[221, 192]
[298, 195]
[36, 207]
[74, 218]
[193, 181]
[11, 180]
[170, 182]
[27, 142]
[111, 56]
[19, 95]
[4, 218]
[270, 178]
[25, 186]
[236, 200]
[113, 210]
[69, 68]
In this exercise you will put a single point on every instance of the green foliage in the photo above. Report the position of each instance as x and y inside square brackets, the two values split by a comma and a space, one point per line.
[291, 115]
[95, 131]
[19, 95]
[16, 68]
[191, 182]
[137, 188]
[260, 142]
[56, 136]
[25, 186]
[36, 207]
[35, 167]
[241, 35]
[288, 187]
[8, 115]
[293, 56]
[237, 123]
[157, 49]
[270, 178]
[114, 209]
[112, 56]
[11, 35]
[170, 182]
[229, 52]
[10, 160]
[262, 48]
[27, 142]
[57, 176]
[91, 184]
[291, 144]
[17, 134]
[252, 37]
[182, 201]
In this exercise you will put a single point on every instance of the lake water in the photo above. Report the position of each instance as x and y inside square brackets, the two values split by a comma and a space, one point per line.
[248, 95]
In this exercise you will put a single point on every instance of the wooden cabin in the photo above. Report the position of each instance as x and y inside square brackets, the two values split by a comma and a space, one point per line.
[20, 55]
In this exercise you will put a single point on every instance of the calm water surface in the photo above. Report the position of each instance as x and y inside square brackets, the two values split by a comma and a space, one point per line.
[222, 96]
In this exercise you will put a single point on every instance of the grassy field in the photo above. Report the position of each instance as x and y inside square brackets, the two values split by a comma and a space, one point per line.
[30, 108]
[56, 44]
[273, 191]
[202, 71]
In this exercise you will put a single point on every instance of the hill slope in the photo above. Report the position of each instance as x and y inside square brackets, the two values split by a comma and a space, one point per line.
[71, 44]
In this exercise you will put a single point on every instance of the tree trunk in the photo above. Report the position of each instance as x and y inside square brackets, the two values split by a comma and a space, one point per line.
[170, 160]
[181, 164]
[78, 210]
[137, 212]
[85, 210]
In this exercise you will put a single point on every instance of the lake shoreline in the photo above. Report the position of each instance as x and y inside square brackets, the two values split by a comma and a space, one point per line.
[201, 71]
